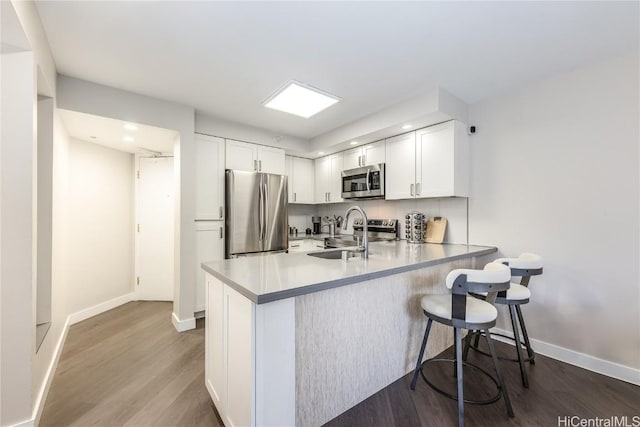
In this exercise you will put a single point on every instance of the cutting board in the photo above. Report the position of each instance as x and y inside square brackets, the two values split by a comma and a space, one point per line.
[436, 227]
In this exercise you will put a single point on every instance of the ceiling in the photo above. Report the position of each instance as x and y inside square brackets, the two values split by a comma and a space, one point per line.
[110, 133]
[226, 58]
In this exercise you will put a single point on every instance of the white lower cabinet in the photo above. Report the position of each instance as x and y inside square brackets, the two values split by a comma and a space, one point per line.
[249, 357]
[209, 247]
[229, 373]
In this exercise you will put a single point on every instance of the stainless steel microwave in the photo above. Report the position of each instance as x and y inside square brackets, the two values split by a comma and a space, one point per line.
[366, 182]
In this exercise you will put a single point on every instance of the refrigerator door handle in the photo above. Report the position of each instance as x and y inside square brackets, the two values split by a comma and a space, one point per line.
[264, 218]
[260, 210]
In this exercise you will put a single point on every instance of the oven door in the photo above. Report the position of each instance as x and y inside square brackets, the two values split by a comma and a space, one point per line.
[363, 183]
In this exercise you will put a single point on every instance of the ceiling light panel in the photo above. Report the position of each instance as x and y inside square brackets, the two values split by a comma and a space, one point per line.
[300, 99]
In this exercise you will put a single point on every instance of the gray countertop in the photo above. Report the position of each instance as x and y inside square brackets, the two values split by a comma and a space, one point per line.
[302, 236]
[263, 279]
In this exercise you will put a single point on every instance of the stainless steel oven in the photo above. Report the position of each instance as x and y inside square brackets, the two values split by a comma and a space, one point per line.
[363, 183]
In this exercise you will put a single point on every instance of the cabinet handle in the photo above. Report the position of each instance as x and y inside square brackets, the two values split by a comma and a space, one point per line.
[364, 160]
[329, 196]
[259, 165]
[418, 189]
[411, 190]
[359, 160]
[326, 197]
[255, 165]
[221, 232]
[295, 246]
[294, 197]
[220, 212]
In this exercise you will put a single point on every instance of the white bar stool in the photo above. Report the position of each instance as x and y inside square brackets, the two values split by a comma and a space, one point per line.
[525, 266]
[465, 312]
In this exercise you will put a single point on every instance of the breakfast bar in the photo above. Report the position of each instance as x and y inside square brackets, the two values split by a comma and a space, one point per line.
[294, 339]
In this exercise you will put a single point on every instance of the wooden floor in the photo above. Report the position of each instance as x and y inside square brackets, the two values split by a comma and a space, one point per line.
[556, 389]
[129, 367]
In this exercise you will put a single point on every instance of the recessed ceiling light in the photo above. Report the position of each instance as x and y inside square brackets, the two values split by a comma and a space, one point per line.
[407, 126]
[321, 152]
[128, 139]
[300, 99]
[129, 126]
[354, 142]
[92, 136]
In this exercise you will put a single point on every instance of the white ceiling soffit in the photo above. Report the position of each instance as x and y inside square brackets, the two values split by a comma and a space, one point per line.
[225, 58]
[111, 133]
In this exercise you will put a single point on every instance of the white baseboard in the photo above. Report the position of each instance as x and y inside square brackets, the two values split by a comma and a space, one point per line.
[48, 378]
[183, 325]
[199, 314]
[27, 423]
[572, 357]
[81, 315]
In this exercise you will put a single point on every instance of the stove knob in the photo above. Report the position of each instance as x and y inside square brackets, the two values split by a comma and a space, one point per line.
[384, 223]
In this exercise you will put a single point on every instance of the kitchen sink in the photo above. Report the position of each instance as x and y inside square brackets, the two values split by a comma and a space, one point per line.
[332, 254]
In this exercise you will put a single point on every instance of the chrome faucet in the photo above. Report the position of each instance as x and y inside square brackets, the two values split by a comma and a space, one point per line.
[365, 229]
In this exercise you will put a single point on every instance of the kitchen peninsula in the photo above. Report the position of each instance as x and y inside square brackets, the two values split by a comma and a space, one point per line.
[292, 339]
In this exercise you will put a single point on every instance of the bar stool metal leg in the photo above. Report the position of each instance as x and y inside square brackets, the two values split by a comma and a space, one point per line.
[458, 344]
[525, 335]
[467, 343]
[503, 386]
[516, 336]
[419, 363]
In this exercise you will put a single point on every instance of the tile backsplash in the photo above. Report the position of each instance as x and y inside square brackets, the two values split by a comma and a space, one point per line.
[455, 209]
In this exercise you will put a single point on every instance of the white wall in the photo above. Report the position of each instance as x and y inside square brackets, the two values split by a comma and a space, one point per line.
[60, 262]
[100, 232]
[555, 171]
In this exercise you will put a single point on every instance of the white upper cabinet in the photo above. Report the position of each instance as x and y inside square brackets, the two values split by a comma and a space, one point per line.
[430, 162]
[209, 177]
[400, 170]
[254, 158]
[328, 178]
[301, 180]
[442, 166]
[369, 154]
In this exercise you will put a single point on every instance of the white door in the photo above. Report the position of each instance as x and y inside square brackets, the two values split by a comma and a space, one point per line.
[302, 181]
[154, 229]
[435, 152]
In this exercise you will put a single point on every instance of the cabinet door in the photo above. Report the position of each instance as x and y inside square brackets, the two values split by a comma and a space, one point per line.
[240, 373]
[303, 180]
[353, 158]
[241, 156]
[335, 178]
[209, 247]
[323, 170]
[400, 166]
[374, 153]
[288, 163]
[209, 177]
[215, 345]
[435, 151]
[271, 160]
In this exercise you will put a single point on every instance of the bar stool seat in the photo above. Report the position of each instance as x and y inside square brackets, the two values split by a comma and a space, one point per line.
[515, 294]
[477, 311]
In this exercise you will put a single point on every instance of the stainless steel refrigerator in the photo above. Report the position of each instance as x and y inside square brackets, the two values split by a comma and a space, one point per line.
[256, 213]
